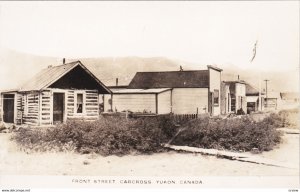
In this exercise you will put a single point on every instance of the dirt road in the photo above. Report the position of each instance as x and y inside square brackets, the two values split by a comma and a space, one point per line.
[15, 162]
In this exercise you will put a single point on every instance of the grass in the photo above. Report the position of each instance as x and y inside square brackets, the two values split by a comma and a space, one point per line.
[120, 136]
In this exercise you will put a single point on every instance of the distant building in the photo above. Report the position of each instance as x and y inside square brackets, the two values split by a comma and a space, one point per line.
[272, 101]
[290, 100]
[234, 96]
[54, 95]
[178, 92]
[252, 95]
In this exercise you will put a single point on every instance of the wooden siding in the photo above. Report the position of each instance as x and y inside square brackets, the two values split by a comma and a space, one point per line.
[134, 102]
[187, 100]
[20, 108]
[37, 108]
[215, 83]
[164, 102]
[90, 105]
[225, 99]
[46, 108]
[31, 114]
[107, 105]
[240, 97]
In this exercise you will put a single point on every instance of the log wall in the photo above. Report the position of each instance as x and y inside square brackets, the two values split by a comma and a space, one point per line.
[37, 108]
[31, 108]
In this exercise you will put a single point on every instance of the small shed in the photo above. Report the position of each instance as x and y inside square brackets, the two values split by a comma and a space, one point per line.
[142, 100]
[54, 95]
[252, 95]
[272, 101]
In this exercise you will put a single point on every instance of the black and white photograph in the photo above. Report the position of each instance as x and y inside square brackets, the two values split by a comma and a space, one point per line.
[178, 94]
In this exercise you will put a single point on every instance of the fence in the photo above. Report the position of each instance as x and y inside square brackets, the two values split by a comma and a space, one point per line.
[185, 117]
[180, 118]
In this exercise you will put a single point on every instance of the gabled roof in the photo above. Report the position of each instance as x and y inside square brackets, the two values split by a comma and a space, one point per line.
[46, 77]
[170, 79]
[250, 90]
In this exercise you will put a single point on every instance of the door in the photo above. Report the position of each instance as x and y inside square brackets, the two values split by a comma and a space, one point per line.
[58, 107]
[211, 103]
[8, 108]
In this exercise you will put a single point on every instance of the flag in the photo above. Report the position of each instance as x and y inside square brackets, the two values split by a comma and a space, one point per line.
[254, 51]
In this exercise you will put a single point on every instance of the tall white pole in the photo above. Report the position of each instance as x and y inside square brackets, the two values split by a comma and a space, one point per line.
[259, 94]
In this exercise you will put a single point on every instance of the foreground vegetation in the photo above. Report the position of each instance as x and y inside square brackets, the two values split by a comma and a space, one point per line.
[106, 136]
[120, 136]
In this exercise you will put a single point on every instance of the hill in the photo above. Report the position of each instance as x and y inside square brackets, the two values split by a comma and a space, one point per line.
[16, 67]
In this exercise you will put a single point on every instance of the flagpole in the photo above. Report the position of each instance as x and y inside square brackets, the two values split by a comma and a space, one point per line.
[259, 92]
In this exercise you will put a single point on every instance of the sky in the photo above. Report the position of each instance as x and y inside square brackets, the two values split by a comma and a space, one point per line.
[220, 32]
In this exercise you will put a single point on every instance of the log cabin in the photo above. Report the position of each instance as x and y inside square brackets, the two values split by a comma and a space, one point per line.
[54, 95]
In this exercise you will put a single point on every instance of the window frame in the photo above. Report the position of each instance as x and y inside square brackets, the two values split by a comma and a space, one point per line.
[83, 102]
[218, 103]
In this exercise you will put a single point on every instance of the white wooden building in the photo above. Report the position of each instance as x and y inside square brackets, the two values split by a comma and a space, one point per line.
[178, 92]
[237, 98]
[225, 99]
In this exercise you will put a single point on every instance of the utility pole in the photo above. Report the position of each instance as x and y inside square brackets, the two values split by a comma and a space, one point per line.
[266, 80]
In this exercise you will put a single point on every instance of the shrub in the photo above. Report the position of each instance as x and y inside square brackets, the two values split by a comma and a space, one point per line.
[106, 136]
[116, 135]
[237, 134]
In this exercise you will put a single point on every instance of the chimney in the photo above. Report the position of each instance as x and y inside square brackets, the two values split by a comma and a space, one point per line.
[64, 60]
[238, 77]
[117, 81]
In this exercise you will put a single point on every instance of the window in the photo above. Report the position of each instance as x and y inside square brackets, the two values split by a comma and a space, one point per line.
[79, 104]
[216, 97]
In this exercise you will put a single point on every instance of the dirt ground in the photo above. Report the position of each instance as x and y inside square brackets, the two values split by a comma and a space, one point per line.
[15, 162]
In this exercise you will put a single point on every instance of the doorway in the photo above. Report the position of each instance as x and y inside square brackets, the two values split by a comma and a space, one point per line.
[8, 108]
[58, 107]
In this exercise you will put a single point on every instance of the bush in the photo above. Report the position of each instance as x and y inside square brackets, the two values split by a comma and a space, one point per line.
[106, 136]
[116, 135]
[237, 134]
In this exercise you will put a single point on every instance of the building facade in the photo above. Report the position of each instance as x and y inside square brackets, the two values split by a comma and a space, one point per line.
[54, 95]
[178, 92]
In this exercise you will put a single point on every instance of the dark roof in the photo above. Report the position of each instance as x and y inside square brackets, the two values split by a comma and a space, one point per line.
[250, 90]
[118, 87]
[170, 79]
[50, 75]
